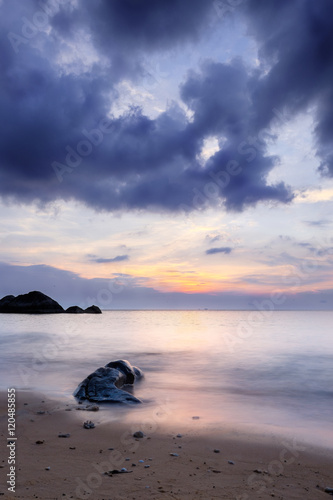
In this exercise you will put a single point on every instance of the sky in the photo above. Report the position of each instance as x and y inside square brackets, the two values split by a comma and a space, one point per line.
[167, 153]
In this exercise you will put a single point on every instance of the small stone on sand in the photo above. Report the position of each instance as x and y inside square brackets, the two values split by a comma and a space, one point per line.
[89, 424]
[138, 434]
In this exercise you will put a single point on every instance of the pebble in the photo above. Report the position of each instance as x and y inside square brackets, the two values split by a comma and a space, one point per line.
[147, 466]
[179, 435]
[40, 442]
[123, 469]
[138, 434]
[63, 435]
[141, 461]
[47, 468]
[127, 459]
[216, 450]
[174, 455]
[89, 424]
[40, 412]
[92, 408]
[258, 471]
[195, 418]
[231, 462]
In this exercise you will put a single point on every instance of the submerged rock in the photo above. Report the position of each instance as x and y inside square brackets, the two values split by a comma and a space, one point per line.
[30, 303]
[105, 383]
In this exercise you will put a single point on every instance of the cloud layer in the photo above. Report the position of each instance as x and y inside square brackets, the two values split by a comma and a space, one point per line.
[56, 144]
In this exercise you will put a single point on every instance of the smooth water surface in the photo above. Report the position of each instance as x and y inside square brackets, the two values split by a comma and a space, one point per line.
[272, 371]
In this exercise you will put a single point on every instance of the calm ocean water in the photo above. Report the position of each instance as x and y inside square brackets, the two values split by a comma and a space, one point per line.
[232, 368]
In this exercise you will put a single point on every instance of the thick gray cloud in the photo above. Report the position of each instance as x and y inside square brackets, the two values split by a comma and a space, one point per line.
[295, 40]
[54, 143]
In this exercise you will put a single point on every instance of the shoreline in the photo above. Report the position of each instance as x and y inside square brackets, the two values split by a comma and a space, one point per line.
[209, 463]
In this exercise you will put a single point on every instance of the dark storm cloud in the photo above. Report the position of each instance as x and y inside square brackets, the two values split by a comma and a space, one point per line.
[148, 25]
[118, 258]
[296, 44]
[225, 250]
[54, 143]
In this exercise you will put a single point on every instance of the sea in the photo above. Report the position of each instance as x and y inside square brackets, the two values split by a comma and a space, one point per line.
[267, 372]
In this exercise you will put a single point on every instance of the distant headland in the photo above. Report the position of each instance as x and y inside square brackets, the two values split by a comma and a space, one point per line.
[39, 303]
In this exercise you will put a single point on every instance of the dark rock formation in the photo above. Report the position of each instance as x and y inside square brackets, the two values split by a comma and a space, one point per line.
[30, 303]
[6, 300]
[39, 303]
[93, 310]
[106, 382]
[74, 310]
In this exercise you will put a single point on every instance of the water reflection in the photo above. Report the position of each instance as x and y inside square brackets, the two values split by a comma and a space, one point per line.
[280, 376]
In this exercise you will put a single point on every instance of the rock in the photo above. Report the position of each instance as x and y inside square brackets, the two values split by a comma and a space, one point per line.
[92, 408]
[174, 455]
[216, 450]
[6, 300]
[138, 434]
[117, 471]
[329, 490]
[30, 303]
[89, 424]
[93, 310]
[105, 383]
[63, 435]
[74, 310]
[39, 303]
[230, 462]
[40, 442]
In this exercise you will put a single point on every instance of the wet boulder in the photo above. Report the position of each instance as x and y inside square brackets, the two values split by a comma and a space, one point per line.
[107, 383]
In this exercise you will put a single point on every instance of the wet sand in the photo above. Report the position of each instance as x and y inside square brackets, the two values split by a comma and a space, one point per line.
[208, 463]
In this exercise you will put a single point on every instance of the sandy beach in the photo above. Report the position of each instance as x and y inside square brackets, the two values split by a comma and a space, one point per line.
[169, 462]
